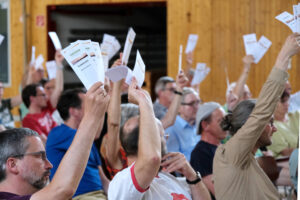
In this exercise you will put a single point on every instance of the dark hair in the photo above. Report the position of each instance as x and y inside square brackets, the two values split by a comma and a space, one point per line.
[129, 141]
[284, 95]
[206, 119]
[13, 142]
[44, 81]
[69, 99]
[27, 92]
[238, 117]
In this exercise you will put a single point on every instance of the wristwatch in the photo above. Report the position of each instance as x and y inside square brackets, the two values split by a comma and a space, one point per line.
[197, 180]
[177, 92]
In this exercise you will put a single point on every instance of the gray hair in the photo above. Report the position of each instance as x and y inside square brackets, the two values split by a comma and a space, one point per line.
[13, 142]
[162, 82]
[238, 117]
[186, 91]
[128, 110]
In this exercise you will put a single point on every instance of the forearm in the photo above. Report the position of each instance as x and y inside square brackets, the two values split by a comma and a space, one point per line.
[59, 85]
[200, 192]
[169, 118]
[239, 88]
[15, 101]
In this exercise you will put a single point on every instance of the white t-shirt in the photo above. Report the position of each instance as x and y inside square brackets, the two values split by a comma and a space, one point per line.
[164, 186]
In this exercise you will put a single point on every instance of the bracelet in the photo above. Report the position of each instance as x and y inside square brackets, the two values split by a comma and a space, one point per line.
[177, 92]
[197, 180]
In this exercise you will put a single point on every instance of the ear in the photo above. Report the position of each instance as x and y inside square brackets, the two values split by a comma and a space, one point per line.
[31, 99]
[204, 125]
[11, 165]
[72, 111]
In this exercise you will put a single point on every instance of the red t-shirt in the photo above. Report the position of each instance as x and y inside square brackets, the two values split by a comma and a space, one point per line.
[40, 122]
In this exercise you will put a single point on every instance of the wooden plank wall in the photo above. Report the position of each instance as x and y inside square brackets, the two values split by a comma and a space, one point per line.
[220, 25]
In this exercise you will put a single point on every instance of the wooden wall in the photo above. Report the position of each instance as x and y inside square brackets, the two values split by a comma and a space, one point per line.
[220, 25]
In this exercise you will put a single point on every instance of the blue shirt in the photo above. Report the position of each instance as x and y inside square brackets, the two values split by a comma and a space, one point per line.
[58, 142]
[182, 137]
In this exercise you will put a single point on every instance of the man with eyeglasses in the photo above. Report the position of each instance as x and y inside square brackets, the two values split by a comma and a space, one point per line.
[39, 117]
[169, 95]
[25, 169]
[182, 135]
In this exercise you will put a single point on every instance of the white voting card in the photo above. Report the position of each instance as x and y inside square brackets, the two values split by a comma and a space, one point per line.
[262, 47]
[138, 71]
[79, 60]
[38, 62]
[112, 44]
[249, 42]
[55, 40]
[180, 59]
[200, 73]
[287, 19]
[99, 61]
[117, 73]
[51, 69]
[128, 45]
[191, 44]
[1, 39]
[296, 9]
[32, 55]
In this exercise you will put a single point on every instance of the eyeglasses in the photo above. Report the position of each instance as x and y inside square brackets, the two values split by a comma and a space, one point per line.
[39, 154]
[170, 89]
[271, 123]
[193, 103]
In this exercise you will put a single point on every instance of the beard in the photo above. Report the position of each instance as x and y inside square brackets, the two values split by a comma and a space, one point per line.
[38, 182]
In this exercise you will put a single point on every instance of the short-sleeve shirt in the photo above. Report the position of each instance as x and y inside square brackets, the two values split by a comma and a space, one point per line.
[202, 158]
[5, 114]
[164, 186]
[11, 196]
[58, 142]
[40, 122]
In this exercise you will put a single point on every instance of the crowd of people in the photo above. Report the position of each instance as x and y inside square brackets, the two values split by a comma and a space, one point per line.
[175, 147]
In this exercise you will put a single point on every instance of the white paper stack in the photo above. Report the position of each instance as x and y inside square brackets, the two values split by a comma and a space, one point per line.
[117, 73]
[292, 21]
[200, 74]
[128, 45]
[1, 39]
[51, 69]
[32, 55]
[109, 47]
[84, 57]
[191, 44]
[55, 40]
[257, 49]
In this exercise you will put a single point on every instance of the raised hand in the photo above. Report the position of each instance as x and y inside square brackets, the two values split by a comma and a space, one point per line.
[181, 81]
[58, 58]
[137, 95]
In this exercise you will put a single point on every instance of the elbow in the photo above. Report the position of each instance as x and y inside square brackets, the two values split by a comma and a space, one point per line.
[64, 192]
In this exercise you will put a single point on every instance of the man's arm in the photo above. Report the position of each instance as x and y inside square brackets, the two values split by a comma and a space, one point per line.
[104, 179]
[176, 161]
[15, 101]
[59, 80]
[73, 164]
[149, 151]
[207, 180]
[169, 118]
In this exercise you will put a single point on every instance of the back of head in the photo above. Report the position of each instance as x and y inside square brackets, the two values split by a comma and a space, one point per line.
[128, 110]
[27, 92]
[13, 142]
[161, 83]
[129, 136]
[238, 117]
[69, 99]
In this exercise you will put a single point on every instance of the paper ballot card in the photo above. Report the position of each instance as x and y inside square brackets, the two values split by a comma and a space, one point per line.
[117, 73]
[287, 19]
[1, 39]
[297, 17]
[55, 40]
[200, 73]
[128, 45]
[180, 59]
[39, 62]
[79, 60]
[191, 44]
[262, 47]
[116, 47]
[138, 71]
[32, 54]
[249, 42]
[99, 61]
[51, 69]
[104, 52]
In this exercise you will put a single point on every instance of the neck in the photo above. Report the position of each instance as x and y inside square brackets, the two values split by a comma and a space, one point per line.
[17, 187]
[209, 138]
[33, 109]
[164, 102]
[190, 121]
[72, 123]
[280, 117]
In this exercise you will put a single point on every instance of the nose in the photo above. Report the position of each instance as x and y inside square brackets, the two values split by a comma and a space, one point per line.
[48, 164]
[274, 129]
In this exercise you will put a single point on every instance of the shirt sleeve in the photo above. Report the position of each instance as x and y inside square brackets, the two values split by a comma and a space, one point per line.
[126, 186]
[242, 143]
